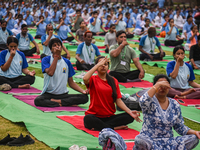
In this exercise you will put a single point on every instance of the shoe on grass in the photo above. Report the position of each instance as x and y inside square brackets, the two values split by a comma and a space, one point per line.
[7, 139]
[21, 141]
[74, 147]
[5, 87]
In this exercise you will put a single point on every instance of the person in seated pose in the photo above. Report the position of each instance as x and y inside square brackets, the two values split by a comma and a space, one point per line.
[108, 22]
[96, 24]
[77, 21]
[29, 19]
[192, 37]
[195, 54]
[63, 30]
[58, 71]
[41, 28]
[104, 93]
[121, 55]
[110, 38]
[13, 63]
[160, 115]
[4, 34]
[18, 24]
[45, 41]
[147, 46]
[86, 52]
[80, 32]
[181, 77]
[171, 34]
[24, 40]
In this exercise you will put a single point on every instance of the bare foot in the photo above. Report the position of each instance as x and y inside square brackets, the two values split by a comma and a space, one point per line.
[24, 86]
[57, 101]
[92, 129]
[121, 127]
[188, 92]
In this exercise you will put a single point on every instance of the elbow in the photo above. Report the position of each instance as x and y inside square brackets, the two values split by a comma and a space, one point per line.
[50, 74]
[173, 76]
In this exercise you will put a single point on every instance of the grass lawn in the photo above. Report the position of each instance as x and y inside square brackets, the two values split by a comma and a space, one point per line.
[14, 129]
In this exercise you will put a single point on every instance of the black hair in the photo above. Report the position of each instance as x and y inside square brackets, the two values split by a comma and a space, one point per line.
[198, 37]
[150, 30]
[120, 14]
[54, 40]
[78, 10]
[120, 32]
[127, 13]
[166, 15]
[20, 16]
[146, 19]
[95, 12]
[188, 17]
[157, 77]
[170, 19]
[177, 48]
[41, 16]
[112, 25]
[23, 25]
[81, 22]
[11, 39]
[192, 27]
[110, 81]
[3, 21]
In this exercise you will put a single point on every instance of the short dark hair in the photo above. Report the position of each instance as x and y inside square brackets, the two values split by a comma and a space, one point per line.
[177, 48]
[112, 25]
[166, 15]
[189, 17]
[120, 32]
[23, 26]
[146, 19]
[157, 77]
[3, 21]
[192, 27]
[11, 39]
[41, 16]
[20, 16]
[95, 12]
[54, 40]
[127, 13]
[151, 29]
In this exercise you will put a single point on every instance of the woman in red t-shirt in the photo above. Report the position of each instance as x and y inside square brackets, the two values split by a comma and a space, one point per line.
[104, 93]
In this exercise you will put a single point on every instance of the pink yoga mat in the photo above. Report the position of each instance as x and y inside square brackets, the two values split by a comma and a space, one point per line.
[142, 84]
[130, 145]
[29, 99]
[135, 40]
[102, 52]
[77, 122]
[16, 90]
[34, 56]
[168, 46]
[189, 102]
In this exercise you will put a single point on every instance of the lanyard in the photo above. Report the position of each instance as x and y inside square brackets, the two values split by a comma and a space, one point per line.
[151, 44]
[89, 51]
[124, 53]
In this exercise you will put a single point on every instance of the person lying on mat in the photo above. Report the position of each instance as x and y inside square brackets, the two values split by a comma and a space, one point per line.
[63, 30]
[96, 24]
[147, 46]
[13, 63]
[110, 38]
[121, 55]
[86, 52]
[4, 34]
[195, 54]
[181, 77]
[171, 34]
[104, 93]
[41, 28]
[24, 40]
[163, 114]
[45, 41]
[58, 72]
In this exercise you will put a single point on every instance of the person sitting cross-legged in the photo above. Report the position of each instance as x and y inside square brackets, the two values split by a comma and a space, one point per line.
[86, 52]
[24, 39]
[58, 72]
[147, 46]
[121, 55]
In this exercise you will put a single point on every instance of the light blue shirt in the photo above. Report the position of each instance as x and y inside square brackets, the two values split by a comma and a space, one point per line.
[48, 20]
[4, 35]
[187, 27]
[189, 35]
[11, 23]
[110, 22]
[63, 31]
[130, 23]
[173, 34]
[18, 63]
[121, 26]
[29, 19]
[41, 29]
[24, 42]
[97, 26]
[56, 19]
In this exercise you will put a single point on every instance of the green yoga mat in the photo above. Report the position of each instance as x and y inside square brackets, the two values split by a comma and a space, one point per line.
[38, 65]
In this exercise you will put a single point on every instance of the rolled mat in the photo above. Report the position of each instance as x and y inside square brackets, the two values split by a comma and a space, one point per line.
[142, 84]
[77, 122]
[29, 99]
[34, 56]
[188, 102]
[17, 91]
[130, 145]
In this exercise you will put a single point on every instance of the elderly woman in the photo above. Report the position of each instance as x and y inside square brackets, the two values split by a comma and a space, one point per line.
[160, 114]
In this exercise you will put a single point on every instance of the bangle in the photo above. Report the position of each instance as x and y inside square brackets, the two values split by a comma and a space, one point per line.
[154, 88]
[194, 65]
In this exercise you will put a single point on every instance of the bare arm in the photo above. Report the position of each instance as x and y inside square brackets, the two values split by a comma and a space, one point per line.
[74, 37]
[48, 39]
[74, 86]
[93, 23]
[6, 66]
[51, 70]
[67, 52]
[37, 47]
[174, 73]
[39, 22]
[143, 51]
[194, 84]
[116, 52]
[170, 31]
[58, 27]
[139, 66]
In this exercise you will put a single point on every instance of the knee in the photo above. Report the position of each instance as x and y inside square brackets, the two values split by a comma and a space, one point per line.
[88, 121]
[85, 98]
[31, 79]
[129, 118]
[37, 101]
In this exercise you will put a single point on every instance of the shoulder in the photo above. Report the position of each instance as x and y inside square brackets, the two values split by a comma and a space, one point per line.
[171, 63]
[81, 45]
[67, 61]
[143, 38]
[93, 46]
[18, 36]
[4, 52]
[188, 65]
[46, 59]
[21, 53]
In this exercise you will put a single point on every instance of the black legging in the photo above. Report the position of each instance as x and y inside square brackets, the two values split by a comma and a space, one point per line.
[101, 33]
[80, 66]
[173, 43]
[44, 100]
[155, 56]
[68, 39]
[29, 52]
[122, 77]
[38, 36]
[91, 121]
[15, 82]
[44, 55]
[129, 36]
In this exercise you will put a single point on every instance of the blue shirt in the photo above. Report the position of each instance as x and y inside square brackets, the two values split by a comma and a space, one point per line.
[163, 28]
[48, 20]
[41, 29]
[29, 19]
[57, 84]
[97, 26]
[110, 22]
[185, 74]
[148, 44]
[63, 31]
[130, 23]
[187, 27]
[56, 19]
[189, 35]
[152, 15]
[24, 42]
[18, 63]
[67, 20]
[4, 35]
[173, 34]
[11, 23]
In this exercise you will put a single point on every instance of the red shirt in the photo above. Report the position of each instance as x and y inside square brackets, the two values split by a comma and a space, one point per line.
[101, 101]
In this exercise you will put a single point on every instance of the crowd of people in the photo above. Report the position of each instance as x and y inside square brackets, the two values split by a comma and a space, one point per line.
[68, 22]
